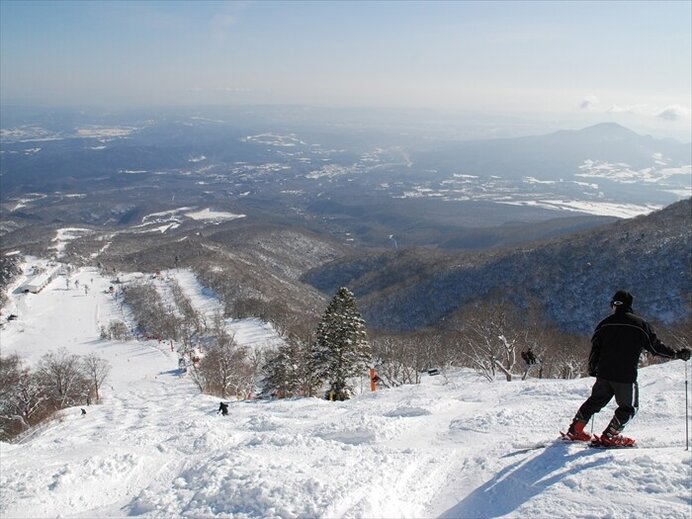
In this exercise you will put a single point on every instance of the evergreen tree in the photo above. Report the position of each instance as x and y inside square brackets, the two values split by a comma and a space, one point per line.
[280, 379]
[341, 350]
[288, 373]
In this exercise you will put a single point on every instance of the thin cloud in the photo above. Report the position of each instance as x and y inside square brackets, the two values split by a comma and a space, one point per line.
[669, 113]
[641, 109]
[223, 21]
[589, 103]
[227, 89]
[674, 113]
[236, 90]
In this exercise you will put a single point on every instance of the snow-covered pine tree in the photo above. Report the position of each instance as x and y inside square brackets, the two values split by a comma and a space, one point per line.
[341, 349]
[288, 372]
[279, 373]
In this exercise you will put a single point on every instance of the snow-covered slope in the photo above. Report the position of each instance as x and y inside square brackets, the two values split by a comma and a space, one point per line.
[454, 446]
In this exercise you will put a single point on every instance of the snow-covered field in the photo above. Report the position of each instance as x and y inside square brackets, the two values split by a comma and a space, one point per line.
[454, 446]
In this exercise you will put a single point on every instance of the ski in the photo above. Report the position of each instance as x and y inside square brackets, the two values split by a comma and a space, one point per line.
[593, 442]
[597, 444]
[561, 440]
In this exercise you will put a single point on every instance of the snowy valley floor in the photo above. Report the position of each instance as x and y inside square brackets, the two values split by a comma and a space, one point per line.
[454, 446]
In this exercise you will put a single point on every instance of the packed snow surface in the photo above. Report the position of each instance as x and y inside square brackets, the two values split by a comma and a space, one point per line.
[218, 216]
[454, 446]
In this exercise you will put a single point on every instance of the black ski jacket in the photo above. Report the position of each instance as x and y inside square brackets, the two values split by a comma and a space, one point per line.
[618, 342]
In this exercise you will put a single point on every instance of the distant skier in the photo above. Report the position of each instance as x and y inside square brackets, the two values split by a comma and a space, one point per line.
[616, 345]
[529, 357]
[223, 408]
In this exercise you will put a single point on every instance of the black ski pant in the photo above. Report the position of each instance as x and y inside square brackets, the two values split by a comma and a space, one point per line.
[626, 396]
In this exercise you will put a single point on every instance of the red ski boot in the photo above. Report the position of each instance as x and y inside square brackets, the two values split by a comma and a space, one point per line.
[612, 438]
[576, 432]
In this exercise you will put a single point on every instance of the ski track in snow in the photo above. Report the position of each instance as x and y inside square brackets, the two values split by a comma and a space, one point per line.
[454, 446]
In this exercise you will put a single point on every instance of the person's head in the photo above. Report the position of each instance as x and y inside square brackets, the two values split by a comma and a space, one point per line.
[622, 301]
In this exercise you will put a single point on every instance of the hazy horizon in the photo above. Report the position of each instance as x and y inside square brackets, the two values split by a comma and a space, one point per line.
[561, 64]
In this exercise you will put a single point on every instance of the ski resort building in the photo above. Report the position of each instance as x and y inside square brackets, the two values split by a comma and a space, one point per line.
[41, 280]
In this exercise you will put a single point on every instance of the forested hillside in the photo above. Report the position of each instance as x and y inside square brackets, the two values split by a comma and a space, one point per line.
[570, 278]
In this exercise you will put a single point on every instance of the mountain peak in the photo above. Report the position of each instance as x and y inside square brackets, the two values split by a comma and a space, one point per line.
[608, 129]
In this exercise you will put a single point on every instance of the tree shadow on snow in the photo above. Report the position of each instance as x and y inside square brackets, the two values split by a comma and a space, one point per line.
[96, 342]
[519, 482]
[176, 372]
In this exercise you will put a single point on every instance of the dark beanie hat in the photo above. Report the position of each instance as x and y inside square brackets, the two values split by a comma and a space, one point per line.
[622, 298]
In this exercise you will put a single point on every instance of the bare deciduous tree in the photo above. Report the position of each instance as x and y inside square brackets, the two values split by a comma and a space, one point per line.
[493, 336]
[190, 323]
[223, 370]
[62, 375]
[21, 396]
[96, 370]
[399, 359]
[152, 316]
[116, 330]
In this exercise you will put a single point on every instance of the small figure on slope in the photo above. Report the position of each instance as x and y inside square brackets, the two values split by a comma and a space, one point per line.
[616, 345]
[529, 357]
[223, 408]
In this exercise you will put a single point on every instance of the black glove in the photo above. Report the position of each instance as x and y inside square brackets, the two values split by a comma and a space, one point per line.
[683, 354]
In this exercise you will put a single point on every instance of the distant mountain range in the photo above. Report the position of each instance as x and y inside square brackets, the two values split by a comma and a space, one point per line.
[556, 155]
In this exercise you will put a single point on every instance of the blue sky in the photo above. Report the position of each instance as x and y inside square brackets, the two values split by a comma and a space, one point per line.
[552, 59]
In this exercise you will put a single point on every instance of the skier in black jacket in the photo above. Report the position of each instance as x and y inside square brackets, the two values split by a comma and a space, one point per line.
[616, 345]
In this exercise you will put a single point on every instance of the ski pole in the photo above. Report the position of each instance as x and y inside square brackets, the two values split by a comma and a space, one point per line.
[687, 420]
